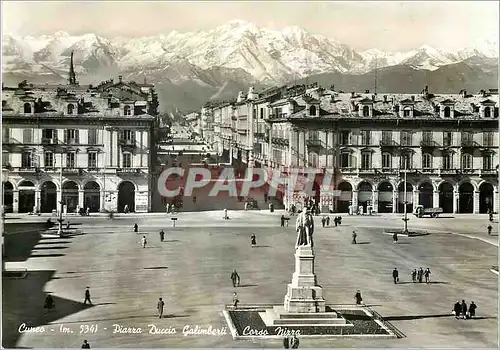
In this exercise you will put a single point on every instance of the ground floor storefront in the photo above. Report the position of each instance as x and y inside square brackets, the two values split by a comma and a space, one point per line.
[46, 194]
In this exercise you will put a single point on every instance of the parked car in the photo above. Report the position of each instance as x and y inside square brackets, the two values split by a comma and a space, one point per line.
[420, 211]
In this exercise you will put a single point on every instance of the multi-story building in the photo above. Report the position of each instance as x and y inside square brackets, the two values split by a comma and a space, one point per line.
[84, 146]
[446, 144]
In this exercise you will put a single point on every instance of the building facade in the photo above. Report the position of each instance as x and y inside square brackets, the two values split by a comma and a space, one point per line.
[446, 144]
[77, 146]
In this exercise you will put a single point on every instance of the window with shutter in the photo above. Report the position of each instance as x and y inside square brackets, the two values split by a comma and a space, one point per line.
[27, 136]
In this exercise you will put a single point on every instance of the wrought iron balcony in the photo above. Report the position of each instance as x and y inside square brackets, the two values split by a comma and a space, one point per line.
[72, 170]
[488, 172]
[469, 143]
[49, 141]
[428, 144]
[127, 142]
[128, 171]
[388, 143]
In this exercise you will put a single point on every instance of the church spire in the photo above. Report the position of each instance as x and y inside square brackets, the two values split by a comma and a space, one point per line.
[72, 75]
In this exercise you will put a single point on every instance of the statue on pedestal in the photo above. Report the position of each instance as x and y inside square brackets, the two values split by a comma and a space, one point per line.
[305, 229]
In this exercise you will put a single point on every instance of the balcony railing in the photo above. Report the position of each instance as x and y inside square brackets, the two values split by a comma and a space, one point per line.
[128, 171]
[488, 172]
[71, 141]
[127, 142]
[388, 143]
[26, 169]
[314, 143]
[469, 143]
[71, 170]
[428, 143]
[49, 141]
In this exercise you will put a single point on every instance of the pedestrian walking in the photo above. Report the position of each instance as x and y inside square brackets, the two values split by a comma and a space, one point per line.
[136, 228]
[49, 303]
[294, 342]
[125, 209]
[282, 220]
[235, 300]
[162, 236]
[144, 241]
[395, 238]
[464, 309]
[87, 296]
[457, 309]
[427, 275]
[159, 307]
[489, 230]
[420, 275]
[286, 343]
[225, 215]
[253, 240]
[358, 297]
[85, 345]
[327, 221]
[336, 221]
[414, 275]
[235, 278]
[354, 235]
[323, 221]
[395, 275]
[472, 309]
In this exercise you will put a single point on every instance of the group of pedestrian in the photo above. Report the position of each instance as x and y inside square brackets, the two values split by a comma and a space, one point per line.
[325, 221]
[291, 342]
[461, 311]
[420, 274]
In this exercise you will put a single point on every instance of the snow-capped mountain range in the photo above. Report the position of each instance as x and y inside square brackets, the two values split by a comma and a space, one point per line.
[238, 49]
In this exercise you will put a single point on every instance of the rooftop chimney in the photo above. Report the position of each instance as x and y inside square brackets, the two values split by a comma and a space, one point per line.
[413, 98]
[120, 78]
[353, 93]
[367, 91]
[385, 98]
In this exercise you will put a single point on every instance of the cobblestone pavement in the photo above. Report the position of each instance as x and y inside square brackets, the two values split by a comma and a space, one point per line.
[191, 271]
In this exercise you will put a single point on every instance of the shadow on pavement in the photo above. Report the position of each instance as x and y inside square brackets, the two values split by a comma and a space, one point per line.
[23, 301]
[44, 242]
[46, 255]
[247, 285]
[415, 317]
[364, 243]
[49, 248]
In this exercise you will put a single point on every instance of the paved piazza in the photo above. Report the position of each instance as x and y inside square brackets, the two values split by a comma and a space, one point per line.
[192, 269]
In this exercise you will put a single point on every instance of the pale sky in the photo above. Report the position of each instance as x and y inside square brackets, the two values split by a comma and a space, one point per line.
[389, 26]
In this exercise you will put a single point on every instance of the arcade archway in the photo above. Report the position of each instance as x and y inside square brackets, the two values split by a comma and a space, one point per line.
[425, 195]
[92, 196]
[401, 197]
[70, 196]
[485, 198]
[345, 199]
[48, 197]
[385, 191]
[365, 195]
[26, 196]
[466, 198]
[8, 197]
[446, 197]
[126, 196]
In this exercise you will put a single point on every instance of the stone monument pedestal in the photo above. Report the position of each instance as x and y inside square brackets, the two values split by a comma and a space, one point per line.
[303, 294]
[304, 304]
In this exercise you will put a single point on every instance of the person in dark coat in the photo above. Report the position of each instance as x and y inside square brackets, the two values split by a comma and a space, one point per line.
[253, 240]
[294, 342]
[489, 229]
[162, 235]
[420, 275]
[286, 343]
[85, 345]
[395, 238]
[358, 297]
[472, 309]
[336, 221]
[340, 220]
[354, 235]
[235, 278]
[457, 309]
[414, 275]
[282, 220]
[464, 309]
[323, 221]
[136, 227]
[49, 303]
[87, 296]
[395, 275]
[427, 275]
[327, 221]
